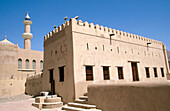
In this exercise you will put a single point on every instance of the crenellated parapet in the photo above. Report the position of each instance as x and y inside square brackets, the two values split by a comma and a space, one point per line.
[57, 30]
[35, 76]
[102, 29]
[9, 47]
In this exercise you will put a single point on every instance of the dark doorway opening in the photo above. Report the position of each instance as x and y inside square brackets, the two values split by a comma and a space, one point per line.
[135, 71]
[51, 76]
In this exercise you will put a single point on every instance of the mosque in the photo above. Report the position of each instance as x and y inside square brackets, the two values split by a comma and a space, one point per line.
[17, 63]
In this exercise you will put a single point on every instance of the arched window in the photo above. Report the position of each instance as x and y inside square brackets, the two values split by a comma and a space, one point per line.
[33, 64]
[41, 65]
[26, 64]
[19, 63]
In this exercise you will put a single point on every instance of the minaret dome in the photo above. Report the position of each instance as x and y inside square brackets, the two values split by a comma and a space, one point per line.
[27, 17]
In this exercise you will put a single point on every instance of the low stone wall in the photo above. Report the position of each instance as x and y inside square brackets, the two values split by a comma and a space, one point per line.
[12, 87]
[130, 96]
[34, 85]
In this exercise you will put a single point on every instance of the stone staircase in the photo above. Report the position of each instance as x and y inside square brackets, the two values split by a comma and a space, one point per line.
[80, 104]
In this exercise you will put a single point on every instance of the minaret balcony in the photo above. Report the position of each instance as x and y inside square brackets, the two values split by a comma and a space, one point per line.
[27, 22]
[27, 35]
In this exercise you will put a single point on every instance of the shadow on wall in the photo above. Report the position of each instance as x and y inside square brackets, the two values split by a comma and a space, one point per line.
[33, 85]
[130, 97]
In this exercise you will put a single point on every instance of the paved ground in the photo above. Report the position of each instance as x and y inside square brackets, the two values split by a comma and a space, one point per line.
[18, 103]
[15, 98]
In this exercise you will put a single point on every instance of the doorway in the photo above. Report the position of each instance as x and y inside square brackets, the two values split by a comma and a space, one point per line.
[52, 81]
[135, 71]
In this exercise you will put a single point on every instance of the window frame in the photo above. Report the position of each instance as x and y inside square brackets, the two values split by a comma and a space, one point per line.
[89, 73]
[162, 72]
[33, 64]
[120, 75]
[155, 72]
[26, 64]
[41, 65]
[106, 76]
[20, 65]
[61, 74]
[147, 76]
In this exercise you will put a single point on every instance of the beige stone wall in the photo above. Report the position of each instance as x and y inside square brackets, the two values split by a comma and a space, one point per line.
[30, 55]
[123, 49]
[9, 55]
[8, 60]
[34, 85]
[11, 87]
[130, 97]
[58, 52]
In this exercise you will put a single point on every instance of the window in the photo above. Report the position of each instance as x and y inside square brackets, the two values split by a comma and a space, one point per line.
[87, 46]
[19, 63]
[120, 72]
[162, 72]
[26, 64]
[106, 73]
[118, 49]
[155, 72]
[147, 72]
[61, 74]
[33, 64]
[89, 73]
[41, 65]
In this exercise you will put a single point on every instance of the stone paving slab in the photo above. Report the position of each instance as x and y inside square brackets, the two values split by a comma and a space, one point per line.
[23, 105]
[15, 98]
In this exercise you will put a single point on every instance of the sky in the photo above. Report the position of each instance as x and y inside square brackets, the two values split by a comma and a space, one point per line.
[148, 18]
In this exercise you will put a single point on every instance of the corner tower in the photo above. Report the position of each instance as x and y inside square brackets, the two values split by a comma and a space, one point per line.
[27, 34]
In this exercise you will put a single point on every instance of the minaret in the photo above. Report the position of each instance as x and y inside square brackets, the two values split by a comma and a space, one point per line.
[27, 35]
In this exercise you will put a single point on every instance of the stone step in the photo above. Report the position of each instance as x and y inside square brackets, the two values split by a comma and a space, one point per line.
[79, 105]
[69, 108]
[52, 105]
[83, 97]
[80, 101]
[52, 100]
[48, 105]
[37, 105]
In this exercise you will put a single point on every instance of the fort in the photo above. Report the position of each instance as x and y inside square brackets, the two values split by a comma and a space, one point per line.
[82, 62]
[77, 54]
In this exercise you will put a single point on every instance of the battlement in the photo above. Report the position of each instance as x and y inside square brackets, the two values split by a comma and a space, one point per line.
[56, 30]
[34, 76]
[12, 79]
[101, 29]
[9, 45]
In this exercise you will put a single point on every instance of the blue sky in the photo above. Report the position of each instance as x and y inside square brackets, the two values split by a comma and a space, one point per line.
[148, 18]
